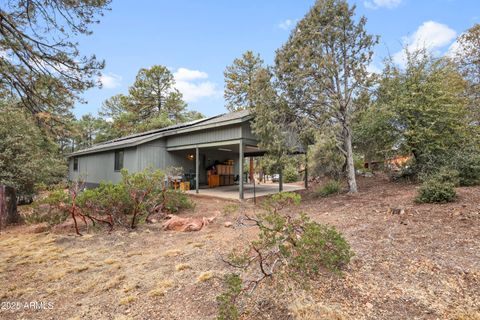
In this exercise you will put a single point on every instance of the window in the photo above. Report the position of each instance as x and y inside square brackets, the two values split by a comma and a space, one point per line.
[118, 160]
[75, 164]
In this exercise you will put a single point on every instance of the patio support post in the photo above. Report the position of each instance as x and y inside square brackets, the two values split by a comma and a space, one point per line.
[197, 165]
[306, 169]
[240, 169]
[280, 179]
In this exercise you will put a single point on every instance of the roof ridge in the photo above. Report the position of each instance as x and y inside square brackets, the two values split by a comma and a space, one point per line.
[142, 137]
[153, 131]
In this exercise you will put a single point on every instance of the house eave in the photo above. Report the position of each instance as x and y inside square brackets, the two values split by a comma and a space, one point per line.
[159, 135]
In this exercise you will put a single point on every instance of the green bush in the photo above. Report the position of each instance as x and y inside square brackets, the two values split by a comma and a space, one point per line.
[130, 201]
[106, 199]
[227, 308]
[444, 175]
[320, 246]
[329, 188]
[436, 189]
[48, 209]
[230, 209]
[52, 216]
[305, 244]
[289, 246]
[302, 245]
[468, 166]
[176, 200]
[290, 174]
[325, 159]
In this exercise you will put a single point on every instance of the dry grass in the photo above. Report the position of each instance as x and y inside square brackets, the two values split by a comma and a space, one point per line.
[137, 276]
[172, 253]
[467, 315]
[110, 261]
[230, 209]
[308, 309]
[205, 276]
[182, 267]
[126, 300]
[82, 268]
[161, 288]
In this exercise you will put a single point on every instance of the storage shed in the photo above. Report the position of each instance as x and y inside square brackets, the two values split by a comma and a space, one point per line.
[213, 146]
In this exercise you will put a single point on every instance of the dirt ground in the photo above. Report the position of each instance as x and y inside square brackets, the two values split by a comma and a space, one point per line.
[421, 264]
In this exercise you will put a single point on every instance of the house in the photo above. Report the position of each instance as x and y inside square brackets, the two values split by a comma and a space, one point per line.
[194, 146]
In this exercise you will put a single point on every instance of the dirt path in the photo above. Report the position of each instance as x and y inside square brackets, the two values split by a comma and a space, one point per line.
[422, 264]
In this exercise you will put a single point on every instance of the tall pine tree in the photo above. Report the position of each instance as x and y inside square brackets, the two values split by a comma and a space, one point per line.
[322, 68]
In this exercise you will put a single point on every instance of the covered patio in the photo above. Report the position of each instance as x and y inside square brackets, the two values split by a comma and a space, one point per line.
[232, 192]
[201, 156]
[217, 151]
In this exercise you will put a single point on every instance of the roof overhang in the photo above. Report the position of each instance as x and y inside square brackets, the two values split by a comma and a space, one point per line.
[135, 140]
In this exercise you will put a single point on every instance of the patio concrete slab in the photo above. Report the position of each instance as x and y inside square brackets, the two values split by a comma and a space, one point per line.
[231, 192]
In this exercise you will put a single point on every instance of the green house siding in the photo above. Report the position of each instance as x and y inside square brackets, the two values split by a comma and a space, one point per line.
[213, 135]
[151, 154]
[94, 168]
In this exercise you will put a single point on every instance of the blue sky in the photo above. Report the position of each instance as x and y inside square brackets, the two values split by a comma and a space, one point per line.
[198, 39]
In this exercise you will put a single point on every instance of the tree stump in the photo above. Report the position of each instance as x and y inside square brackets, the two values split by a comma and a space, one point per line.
[8, 206]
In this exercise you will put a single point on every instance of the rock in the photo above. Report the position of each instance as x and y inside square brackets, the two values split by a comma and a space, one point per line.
[228, 224]
[176, 223]
[369, 305]
[41, 227]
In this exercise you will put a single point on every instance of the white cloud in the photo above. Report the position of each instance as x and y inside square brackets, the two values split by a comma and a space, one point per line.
[111, 80]
[454, 49]
[430, 35]
[184, 74]
[373, 68]
[286, 25]
[189, 83]
[389, 4]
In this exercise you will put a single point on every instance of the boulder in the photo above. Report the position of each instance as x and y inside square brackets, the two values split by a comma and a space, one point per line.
[176, 223]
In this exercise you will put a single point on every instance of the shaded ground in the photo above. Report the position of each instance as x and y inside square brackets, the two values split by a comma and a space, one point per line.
[231, 192]
[422, 264]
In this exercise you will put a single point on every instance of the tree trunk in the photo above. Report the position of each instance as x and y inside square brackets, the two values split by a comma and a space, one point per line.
[352, 182]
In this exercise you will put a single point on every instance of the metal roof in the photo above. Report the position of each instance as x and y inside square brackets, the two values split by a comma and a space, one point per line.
[143, 137]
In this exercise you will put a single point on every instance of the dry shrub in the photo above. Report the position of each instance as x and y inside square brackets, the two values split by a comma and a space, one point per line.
[172, 253]
[161, 288]
[205, 276]
[126, 300]
[467, 315]
[182, 266]
[306, 309]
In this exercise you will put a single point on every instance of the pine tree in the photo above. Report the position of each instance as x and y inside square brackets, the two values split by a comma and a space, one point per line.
[467, 57]
[239, 79]
[322, 68]
[37, 41]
